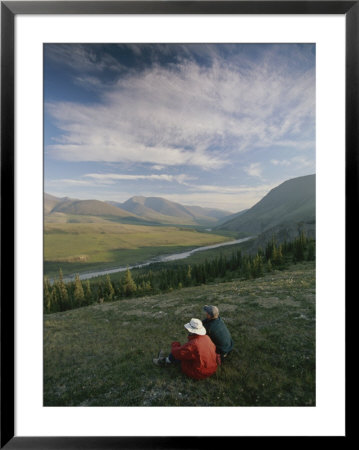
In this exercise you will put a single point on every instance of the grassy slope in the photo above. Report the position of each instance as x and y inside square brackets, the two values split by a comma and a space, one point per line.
[291, 201]
[102, 354]
[88, 246]
[165, 211]
[90, 207]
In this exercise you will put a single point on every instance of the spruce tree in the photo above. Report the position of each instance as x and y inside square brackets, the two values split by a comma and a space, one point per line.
[299, 246]
[63, 296]
[246, 268]
[88, 292]
[269, 266]
[270, 249]
[79, 296]
[188, 275]
[311, 251]
[257, 266]
[109, 290]
[277, 259]
[47, 296]
[100, 295]
[239, 259]
[129, 285]
[55, 301]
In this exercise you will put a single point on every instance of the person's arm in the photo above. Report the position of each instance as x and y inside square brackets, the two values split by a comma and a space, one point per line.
[206, 324]
[185, 351]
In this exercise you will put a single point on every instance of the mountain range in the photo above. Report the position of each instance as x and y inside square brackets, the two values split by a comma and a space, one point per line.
[136, 209]
[289, 204]
[160, 209]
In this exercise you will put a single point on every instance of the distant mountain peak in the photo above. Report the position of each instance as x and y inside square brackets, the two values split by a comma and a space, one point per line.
[162, 210]
[293, 201]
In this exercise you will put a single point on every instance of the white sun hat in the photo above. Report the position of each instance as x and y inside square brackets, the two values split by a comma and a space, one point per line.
[195, 326]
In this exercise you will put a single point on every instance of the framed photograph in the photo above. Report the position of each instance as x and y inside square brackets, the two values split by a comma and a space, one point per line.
[175, 179]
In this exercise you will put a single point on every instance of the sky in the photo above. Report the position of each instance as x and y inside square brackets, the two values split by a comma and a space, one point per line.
[211, 125]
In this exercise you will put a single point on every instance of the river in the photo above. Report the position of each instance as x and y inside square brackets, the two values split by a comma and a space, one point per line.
[159, 259]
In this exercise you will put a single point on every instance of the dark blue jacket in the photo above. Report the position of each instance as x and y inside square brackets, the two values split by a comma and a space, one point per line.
[218, 332]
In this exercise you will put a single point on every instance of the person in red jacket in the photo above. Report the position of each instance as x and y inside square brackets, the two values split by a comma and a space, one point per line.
[197, 356]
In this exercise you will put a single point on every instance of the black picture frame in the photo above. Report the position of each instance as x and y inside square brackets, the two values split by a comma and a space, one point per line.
[9, 9]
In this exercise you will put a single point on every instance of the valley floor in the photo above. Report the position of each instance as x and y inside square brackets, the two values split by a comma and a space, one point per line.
[101, 355]
[87, 247]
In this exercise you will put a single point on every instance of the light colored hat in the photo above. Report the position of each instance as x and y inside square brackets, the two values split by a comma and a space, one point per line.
[195, 326]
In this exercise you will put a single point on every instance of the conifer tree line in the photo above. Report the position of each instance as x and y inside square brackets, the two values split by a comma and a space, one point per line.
[62, 296]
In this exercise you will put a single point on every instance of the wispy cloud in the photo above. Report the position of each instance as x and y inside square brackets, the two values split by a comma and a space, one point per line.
[187, 115]
[158, 167]
[210, 125]
[283, 162]
[254, 170]
[104, 179]
[302, 161]
[112, 177]
[298, 161]
[230, 198]
[67, 181]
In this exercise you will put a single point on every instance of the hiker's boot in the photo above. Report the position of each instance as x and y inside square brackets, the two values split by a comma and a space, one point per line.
[160, 360]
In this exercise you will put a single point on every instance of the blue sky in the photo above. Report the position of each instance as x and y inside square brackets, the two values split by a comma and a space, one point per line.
[213, 125]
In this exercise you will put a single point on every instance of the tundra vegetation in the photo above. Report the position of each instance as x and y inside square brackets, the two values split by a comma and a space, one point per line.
[100, 338]
[101, 354]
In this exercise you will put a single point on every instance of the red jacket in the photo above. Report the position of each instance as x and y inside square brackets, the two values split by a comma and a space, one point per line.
[198, 356]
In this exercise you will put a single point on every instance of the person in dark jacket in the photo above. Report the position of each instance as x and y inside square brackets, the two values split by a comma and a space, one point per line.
[197, 356]
[217, 330]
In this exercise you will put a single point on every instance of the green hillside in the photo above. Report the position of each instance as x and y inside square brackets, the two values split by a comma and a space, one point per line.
[199, 212]
[140, 210]
[165, 211]
[291, 202]
[101, 355]
[90, 208]
[50, 202]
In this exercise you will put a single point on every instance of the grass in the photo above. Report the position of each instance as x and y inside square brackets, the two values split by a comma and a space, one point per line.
[101, 355]
[80, 247]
